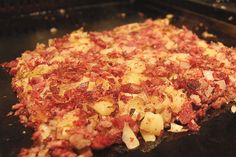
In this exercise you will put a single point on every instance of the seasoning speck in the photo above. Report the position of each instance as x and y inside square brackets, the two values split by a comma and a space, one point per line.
[208, 35]
[123, 15]
[233, 109]
[230, 18]
[62, 11]
[53, 30]
[169, 16]
[140, 14]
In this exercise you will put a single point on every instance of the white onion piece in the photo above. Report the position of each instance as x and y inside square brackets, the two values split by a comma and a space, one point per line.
[208, 75]
[176, 128]
[221, 84]
[129, 138]
[195, 98]
[209, 91]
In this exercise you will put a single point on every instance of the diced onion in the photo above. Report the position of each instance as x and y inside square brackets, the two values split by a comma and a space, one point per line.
[176, 128]
[221, 84]
[195, 98]
[208, 75]
[129, 138]
[209, 91]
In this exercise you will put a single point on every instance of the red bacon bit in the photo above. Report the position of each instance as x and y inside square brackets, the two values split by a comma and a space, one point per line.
[114, 55]
[125, 98]
[97, 41]
[187, 113]
[117, 72]
[63, 152]
[59, 42]
[191, 85]
[202, 112]
[221, 76]
[219, 102]
[102, 141]
[131, 88]
[118, 122]
[193, 126]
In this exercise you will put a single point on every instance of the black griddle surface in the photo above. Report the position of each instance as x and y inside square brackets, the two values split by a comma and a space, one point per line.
[217, 136]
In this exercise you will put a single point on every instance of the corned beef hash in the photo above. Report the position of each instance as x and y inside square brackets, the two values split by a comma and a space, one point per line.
[90, 90]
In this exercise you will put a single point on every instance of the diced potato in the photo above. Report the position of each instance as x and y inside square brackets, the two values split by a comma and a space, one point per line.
[131, 77]
[80, 41]
[177, 57]
[149, 57]
[143, 96]
[148, 137]
[129, 138]
[136, 66]
[91, 86]
[57, 58]
[233, 78]
[170, 44]
[210, 52]
[44, 131]
[67, 119]
[178, 98]
[106, 51]
[178, 102]
[202, 44]
[138, 105]
[65, 87]
[123, 108]
[42, 153]
[65, 123]
[152, 123]
[157, 104]
[25, 84]
[104, 108]
[105, 85]
[221, 57]
[83, 80]
[39, 70]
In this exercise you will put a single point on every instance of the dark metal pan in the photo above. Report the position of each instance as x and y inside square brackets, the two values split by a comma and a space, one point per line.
[21, 32]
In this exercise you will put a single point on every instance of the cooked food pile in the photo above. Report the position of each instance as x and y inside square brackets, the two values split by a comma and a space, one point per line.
[89, 90]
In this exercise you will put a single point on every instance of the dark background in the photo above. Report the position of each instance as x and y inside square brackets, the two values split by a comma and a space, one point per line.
[23, 23]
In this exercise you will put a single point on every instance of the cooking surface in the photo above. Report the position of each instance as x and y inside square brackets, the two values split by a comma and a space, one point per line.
[217, 136]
